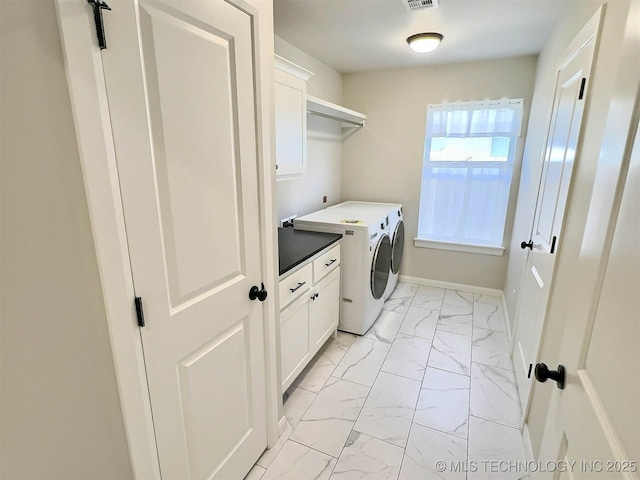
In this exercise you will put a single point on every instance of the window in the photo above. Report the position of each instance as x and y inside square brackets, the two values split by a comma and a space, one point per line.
[466, 175]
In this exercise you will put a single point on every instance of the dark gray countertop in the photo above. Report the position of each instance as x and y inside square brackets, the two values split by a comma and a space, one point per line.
[296, 246]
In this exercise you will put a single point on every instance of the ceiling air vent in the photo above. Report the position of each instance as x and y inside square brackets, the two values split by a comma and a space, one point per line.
[412, 5]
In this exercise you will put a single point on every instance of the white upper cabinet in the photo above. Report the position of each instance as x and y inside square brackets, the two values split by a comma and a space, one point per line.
[291, 118]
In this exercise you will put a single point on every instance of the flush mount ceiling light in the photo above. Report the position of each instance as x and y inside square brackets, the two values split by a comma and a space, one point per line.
[424, 42]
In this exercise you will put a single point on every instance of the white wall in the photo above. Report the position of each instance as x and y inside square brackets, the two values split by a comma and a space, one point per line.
[599, 97]
[383, 161]
[324, 142]
[61, 415]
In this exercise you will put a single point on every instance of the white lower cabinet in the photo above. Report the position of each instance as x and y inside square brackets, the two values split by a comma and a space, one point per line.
[307, 321]
[294, 340]
[324, 310]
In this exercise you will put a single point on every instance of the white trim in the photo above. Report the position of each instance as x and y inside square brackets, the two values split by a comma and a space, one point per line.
[587, 34]
[282, 425]
[87, 92]
[507, 326]
[494, 292]
[528, 448]
[291, 68]
[265, 118]
[459, 247]
[600, 412]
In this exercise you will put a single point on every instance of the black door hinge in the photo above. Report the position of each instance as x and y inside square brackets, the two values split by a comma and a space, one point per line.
[581, 94]
[139, 311]
[98, 6]
[553, 245]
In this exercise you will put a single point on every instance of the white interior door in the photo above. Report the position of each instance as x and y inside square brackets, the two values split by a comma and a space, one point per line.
[595, 421]
[180, 84]
[559, 158]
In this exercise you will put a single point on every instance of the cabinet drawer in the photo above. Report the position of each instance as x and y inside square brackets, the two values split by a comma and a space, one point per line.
[326, 263]
[295, 285]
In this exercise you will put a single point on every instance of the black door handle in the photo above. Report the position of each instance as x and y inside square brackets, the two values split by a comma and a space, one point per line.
[300, 284]
[260, 294]
[543, 373]
[529, 245]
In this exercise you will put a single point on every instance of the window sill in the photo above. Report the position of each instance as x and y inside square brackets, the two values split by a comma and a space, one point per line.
[459, 247]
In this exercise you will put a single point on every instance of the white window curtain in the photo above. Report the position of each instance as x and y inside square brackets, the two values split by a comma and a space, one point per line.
[465, 202]
[475, 119]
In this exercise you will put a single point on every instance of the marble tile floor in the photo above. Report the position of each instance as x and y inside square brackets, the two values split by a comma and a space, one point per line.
[431, 381]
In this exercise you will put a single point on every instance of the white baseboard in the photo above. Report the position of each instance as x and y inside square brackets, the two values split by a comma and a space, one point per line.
[451, 286]
[507, 325]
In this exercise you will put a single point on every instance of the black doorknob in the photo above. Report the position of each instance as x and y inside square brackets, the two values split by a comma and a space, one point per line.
[529, 245]
[259, 293]
[543, 373]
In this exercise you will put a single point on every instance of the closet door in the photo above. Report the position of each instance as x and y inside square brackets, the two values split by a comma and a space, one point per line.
[561, 153]
[180, 84]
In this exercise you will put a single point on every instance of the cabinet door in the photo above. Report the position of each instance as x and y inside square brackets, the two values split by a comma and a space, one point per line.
[291, 125]
[324, 310]
[294, 340]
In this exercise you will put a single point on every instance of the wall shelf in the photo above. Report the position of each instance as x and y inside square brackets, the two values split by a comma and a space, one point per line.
[322, 108]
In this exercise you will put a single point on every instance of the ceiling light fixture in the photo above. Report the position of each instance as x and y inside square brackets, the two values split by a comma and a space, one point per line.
[424, 42]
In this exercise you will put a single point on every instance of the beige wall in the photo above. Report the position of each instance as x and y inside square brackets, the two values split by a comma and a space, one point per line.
[599, 98]
[61, 415]
[383, 161]
[324, 142]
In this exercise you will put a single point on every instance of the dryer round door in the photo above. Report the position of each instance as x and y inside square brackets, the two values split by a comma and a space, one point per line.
[381, 266]
[397, 247]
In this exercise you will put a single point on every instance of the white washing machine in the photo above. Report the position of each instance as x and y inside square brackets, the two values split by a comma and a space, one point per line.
[395, 221]
[365, 261]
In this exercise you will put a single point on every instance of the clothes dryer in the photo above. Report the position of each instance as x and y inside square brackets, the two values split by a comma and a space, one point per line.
[394, 220]
[365, 262]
